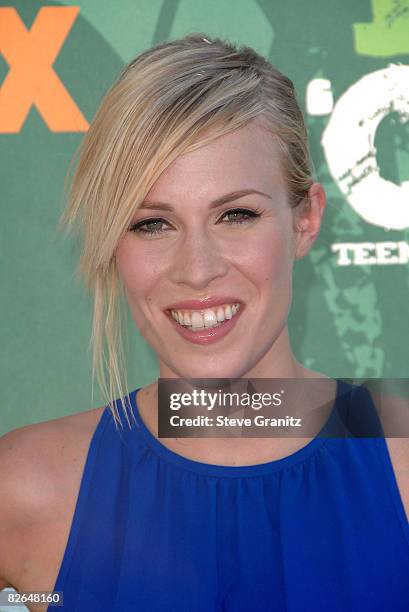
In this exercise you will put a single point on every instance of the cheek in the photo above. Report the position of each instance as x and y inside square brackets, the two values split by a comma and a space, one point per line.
[137, 271]
[269, 259]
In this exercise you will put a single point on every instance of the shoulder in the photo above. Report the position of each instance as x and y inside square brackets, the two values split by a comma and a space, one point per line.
[40, 465]
[398, 449]
[44, 450]
[393, 413]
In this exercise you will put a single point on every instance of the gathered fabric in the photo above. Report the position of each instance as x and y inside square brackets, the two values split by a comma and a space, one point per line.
[321, 529]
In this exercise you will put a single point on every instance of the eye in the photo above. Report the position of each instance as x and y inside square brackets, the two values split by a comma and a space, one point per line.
[239, 212]
[152, 228]
[149, 223]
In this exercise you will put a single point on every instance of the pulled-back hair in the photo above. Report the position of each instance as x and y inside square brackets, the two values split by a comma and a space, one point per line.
[171, 99]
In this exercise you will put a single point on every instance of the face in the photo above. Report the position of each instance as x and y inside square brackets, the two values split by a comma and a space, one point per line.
[218, 226]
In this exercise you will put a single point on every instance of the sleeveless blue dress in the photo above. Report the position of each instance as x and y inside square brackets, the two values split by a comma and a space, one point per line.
[323, 529]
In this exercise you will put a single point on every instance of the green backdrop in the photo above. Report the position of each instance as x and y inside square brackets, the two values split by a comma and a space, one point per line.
[348, 61]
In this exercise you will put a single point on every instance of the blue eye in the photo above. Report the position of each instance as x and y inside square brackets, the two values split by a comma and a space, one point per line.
[236, 220]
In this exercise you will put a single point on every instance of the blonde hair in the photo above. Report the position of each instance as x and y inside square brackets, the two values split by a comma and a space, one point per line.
[171, 99]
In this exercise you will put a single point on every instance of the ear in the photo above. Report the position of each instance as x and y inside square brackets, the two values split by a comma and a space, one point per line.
[307, 220]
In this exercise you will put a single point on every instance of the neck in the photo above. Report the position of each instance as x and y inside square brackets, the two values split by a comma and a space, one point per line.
[278, 362]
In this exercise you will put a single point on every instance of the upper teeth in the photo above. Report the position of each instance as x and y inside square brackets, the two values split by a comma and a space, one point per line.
[199, 319]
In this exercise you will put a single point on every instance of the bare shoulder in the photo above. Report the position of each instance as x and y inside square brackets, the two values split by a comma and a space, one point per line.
[393, 412]
[40, 467]
[44, 450]
[399, 454]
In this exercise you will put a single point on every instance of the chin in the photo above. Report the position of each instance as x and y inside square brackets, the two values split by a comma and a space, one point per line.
[209, 371]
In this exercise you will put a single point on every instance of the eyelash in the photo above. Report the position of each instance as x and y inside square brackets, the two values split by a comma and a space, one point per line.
[252, 214]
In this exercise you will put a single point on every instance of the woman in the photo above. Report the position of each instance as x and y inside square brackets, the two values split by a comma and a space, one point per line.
[195, 196]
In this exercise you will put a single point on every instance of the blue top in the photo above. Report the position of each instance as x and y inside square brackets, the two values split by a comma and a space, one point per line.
[321, 529]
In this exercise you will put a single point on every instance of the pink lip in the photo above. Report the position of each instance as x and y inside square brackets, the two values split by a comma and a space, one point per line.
[206, 336]
[207, 302]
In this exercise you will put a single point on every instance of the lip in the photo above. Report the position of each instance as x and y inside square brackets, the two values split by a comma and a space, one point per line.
[207, 302]
[209, 335]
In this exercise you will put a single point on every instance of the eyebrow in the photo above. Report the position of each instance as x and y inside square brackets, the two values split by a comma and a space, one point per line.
[228, 197]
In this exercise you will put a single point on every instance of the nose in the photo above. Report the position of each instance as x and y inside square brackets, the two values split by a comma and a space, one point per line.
[198, 261]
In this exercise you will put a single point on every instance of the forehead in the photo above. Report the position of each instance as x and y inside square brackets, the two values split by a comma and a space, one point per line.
[248, 157]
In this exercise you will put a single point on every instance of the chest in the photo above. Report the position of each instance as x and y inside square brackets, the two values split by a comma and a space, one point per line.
[45, 542]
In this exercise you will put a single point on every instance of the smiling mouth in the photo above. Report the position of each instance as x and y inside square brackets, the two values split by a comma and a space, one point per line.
[199, 320]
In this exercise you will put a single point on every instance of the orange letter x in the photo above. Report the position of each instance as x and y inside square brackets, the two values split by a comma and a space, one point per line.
[31, 78]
